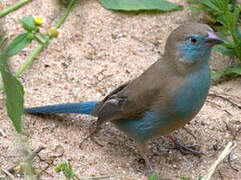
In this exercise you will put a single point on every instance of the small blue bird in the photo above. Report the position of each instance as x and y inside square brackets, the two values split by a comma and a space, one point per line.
[164, 97]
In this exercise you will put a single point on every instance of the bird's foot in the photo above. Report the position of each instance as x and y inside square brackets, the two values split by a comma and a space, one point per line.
[185, 150]
[151, 171]
[96, 141]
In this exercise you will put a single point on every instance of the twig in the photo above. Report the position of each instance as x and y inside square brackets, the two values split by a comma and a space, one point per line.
[189, 132]
[220, 174]
[230, 146]
[229, 162]
[99, 177]
[91, 135]
[231, 131]
[8, 173]
[60, 154]
[48, 162]
[214, 104]
[2, 133]
[226, 99]
[31, 156]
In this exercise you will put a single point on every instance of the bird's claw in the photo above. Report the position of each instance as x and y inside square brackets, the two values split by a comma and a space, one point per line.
[186, 150]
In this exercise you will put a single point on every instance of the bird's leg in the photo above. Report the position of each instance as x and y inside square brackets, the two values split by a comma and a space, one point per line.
[142, 149]
[183, 149]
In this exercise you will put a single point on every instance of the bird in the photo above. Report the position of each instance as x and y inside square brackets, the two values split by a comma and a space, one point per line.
[164, 98]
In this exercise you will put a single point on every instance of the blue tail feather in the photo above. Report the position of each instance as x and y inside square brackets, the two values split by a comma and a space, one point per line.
[81, 108]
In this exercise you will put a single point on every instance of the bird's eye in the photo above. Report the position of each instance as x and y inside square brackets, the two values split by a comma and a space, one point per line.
[193, 40]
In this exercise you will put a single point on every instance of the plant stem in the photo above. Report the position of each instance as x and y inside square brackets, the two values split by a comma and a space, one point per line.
[14, 7]
[45, 42]
[66, 13]
[39, 40]
[29, 60]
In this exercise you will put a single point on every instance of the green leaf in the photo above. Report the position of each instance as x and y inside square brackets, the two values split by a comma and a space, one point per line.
[14, 93]
[224, 50]
[29, 24]
[193, 1]
[232, 20]
[211, 4]
[195, 11]
[185, 178]
[222, 5]
[154, 176]
[222, 21]
[235, 70]
[66, 168]
[192, 8]
[17, 44]
[138, 5]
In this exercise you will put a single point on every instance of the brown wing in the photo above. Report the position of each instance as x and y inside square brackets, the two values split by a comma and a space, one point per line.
[132, 99]
[99, 106]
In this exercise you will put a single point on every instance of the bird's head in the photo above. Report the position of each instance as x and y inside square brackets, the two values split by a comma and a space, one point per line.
[189, 45]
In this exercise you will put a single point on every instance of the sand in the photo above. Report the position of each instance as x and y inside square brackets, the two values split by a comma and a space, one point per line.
[96, 51]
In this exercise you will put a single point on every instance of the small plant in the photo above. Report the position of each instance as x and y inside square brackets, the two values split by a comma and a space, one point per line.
[31, 25]
[154, 176]
[226, 14]
[13, 88]
[66, 169]
[185, 178]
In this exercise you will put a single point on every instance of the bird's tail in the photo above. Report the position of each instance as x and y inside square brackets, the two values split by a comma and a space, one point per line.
[81, 108]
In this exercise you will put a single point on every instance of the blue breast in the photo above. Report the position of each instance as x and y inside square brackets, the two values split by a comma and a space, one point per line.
[186, 103]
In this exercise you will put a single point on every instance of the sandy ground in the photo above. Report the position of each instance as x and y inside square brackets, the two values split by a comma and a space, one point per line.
[96, 51]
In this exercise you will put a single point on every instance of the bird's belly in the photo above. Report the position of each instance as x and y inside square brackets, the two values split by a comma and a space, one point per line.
[186, 104]
[152, 124]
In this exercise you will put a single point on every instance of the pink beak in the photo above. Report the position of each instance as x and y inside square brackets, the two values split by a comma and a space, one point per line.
[212, 39]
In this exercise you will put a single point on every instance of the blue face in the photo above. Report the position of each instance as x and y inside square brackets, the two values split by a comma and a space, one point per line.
[195, 48]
